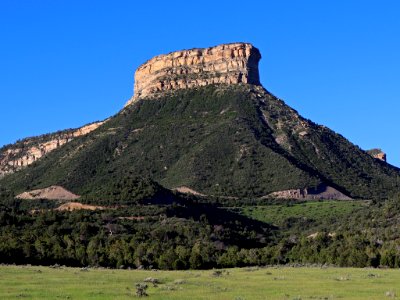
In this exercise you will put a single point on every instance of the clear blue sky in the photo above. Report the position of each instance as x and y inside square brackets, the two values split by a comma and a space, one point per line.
[67, 63]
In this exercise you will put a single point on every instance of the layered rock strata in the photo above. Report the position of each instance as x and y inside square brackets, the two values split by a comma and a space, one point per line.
[24, 153]
[224, 64]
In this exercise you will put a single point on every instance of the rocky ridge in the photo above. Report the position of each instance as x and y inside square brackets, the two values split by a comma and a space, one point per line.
[224, 64]
[26, 152]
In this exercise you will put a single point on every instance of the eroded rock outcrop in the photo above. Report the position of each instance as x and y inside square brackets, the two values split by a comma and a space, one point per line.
[27, 151]
[321, 192]
[377, 153]
[228, 63]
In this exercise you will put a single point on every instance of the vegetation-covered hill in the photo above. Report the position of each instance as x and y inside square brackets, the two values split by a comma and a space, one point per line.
[190, 234]
[235, 141]
[232, 144]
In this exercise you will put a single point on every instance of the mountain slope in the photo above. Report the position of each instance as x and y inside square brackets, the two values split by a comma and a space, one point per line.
[16, 156]
[222, 140]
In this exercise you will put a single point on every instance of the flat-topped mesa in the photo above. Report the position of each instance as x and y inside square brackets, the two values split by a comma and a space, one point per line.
[227, 64]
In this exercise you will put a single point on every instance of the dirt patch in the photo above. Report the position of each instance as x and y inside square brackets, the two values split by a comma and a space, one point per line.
[188, 190]
[70, 206]
[53, 192]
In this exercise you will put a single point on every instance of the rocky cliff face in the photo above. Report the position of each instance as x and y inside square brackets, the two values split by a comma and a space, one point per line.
[229, 64]
[27, 151]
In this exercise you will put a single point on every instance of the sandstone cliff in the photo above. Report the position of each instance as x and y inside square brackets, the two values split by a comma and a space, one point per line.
[21, 154]
[228, 64]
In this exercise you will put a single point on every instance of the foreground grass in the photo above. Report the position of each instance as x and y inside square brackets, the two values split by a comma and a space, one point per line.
[22, 282]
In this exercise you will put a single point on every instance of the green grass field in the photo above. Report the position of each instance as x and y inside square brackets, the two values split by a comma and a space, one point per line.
[34, 282]
[316, 210]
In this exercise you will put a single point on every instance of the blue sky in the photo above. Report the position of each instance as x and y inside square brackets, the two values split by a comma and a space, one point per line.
[67, 63]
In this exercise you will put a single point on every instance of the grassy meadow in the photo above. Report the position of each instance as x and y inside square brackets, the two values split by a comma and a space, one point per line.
[317, 210]
[36, 282]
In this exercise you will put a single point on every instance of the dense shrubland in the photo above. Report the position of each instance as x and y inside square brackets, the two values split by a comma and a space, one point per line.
[194, 235]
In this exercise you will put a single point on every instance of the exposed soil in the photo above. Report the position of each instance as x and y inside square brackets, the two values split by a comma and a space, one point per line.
[53, 192]
[188, 190]
[70, 206]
